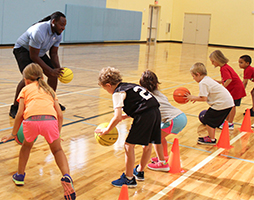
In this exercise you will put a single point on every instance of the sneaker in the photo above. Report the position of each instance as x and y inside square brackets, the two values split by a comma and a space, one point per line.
[156, 159]
[62, 107]
[18, 179]
[138, 175]
[251, 112]
[123, 180]
[221, 126]
[69, 192]
[230, 126]
[206, 140]
[13, 111]
[159, 166]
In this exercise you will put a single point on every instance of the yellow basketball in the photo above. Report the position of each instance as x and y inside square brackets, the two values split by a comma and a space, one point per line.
[67, 75]
[107, 139]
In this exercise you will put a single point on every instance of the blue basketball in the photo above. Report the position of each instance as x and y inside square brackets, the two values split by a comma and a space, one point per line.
[201, 116]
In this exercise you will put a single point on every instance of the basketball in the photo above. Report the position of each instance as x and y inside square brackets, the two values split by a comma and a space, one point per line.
[180, 94]
[67, 75]
[201, 116]
[107, 139]
[20, 136]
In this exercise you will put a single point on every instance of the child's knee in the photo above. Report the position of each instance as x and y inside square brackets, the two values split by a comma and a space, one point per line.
[55, 151]
[252, 92]
[148, 147]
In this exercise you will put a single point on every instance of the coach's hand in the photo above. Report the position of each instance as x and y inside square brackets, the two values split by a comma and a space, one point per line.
[57, 72]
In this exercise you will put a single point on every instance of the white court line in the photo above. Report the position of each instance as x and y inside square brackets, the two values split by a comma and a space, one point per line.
[60, 95]
[193, 170]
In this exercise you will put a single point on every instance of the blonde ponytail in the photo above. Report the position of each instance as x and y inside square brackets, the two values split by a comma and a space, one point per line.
[34, 72]
[46, 87]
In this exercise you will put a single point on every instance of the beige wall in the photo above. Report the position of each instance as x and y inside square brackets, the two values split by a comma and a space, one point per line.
[143, 6]
[232, 21]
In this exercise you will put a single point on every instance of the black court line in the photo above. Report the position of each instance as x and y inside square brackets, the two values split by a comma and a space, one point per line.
[85, 119]
[7, 141]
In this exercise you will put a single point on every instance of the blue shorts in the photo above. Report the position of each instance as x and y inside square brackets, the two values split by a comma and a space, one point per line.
[175, 125]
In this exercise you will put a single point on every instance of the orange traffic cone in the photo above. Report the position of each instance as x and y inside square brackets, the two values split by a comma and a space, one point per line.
[124, 193]
[174, 158]
[246, 125]
[224, 141]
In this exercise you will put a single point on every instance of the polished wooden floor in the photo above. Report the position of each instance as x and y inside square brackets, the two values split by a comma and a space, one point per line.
[211, 173]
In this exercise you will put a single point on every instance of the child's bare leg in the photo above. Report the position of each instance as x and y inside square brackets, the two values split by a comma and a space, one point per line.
[24, 155]
[231, 115]
[164, 143]
[147, 150]
[211, 131]
[129, 158]
[62, 163]
[60, 157]
[159, 151]
[252, 97]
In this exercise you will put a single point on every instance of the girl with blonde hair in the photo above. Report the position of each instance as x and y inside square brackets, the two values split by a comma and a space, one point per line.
[41, 115]
[231, 81]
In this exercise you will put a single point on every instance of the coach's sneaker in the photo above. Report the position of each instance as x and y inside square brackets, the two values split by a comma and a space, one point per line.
[206, 140]
[62, 107]
[140, 176]
[159, 166]
[123, 180]
[18, 179]
[156, 159]
[13, 111]
[67, 183]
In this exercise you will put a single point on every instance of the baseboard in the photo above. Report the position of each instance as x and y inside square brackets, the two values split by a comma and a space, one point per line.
[229, 46]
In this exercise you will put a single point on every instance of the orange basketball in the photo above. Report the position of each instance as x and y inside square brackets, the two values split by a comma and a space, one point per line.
[180, 94]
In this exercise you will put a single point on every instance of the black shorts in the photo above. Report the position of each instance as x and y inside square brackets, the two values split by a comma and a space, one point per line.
[23, 58]
[214, 118]
[237, 102]
[146, 128]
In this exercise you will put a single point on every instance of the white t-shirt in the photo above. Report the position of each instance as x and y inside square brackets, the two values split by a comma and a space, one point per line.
[218, 97]
[168, 111]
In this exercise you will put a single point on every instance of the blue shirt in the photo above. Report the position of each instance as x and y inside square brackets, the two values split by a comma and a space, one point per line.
[39, 36]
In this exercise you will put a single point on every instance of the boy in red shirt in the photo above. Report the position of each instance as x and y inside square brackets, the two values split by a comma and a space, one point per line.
[248, 74]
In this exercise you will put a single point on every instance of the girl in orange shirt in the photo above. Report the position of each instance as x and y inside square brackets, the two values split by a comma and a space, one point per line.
[41, 115]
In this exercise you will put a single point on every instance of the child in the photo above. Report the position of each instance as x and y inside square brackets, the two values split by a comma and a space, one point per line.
[173, 120]
[42, 115]
[216, 95]
[248, 74]
[231, 81]
[139, 104]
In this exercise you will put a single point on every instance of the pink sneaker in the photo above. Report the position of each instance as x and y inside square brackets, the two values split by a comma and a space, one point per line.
[159, 166]
[156, 159]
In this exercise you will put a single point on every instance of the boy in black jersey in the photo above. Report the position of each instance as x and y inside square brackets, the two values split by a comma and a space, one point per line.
[139, 104]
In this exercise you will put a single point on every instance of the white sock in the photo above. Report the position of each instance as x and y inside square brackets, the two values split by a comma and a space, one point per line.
[163, 162]
[129, 177]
